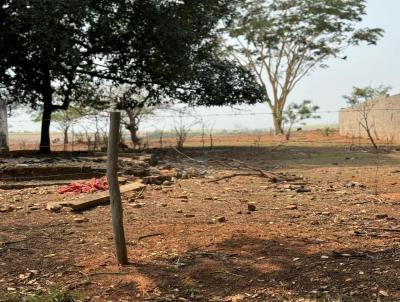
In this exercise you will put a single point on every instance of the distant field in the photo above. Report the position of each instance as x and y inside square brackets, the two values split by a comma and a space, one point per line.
[323, 135]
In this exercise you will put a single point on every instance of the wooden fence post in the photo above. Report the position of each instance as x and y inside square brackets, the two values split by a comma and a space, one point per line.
[115, 194]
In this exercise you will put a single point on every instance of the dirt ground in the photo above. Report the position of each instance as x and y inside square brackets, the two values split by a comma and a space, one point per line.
[331, 235]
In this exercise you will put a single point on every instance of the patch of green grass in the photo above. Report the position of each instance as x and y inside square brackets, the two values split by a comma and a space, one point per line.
[51, 296]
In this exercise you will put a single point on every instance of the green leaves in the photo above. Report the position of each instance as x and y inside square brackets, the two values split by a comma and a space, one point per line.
[365, 94]
[297, 114]
[281, 41]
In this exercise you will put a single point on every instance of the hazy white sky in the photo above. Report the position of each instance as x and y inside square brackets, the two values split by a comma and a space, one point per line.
[365, 65]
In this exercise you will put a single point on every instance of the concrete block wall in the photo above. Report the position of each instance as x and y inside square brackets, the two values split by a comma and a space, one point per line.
[383, 118]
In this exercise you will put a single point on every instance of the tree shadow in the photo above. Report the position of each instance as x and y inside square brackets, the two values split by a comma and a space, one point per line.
[277, 270]
[295, 156]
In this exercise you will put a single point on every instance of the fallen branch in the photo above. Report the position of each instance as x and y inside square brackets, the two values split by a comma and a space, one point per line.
[30, 238]
[274, 177]
[278, 146]
[150, 235]
[140, 193]
[108, 273]
[232, 176]
[13, 242]
[229, 273]
[187, 156]
[383, 230]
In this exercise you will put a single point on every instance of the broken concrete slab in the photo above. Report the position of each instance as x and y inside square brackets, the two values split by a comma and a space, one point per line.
[98, 198]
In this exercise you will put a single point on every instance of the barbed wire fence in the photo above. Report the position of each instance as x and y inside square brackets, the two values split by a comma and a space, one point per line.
[160, 133]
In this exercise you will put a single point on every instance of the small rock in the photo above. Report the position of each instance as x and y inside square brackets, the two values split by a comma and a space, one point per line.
[324, 257]
[167, 183]
[80, 219]
[189, 215]
[122, 180]
[251, 207]
[136, 205]
[34, 208]
[383, 293]
[6, 209]
[303, 190]
[221, 219]
[292, 207]
[381, 216]
[53, 207]
[179, 211]
[235, 298]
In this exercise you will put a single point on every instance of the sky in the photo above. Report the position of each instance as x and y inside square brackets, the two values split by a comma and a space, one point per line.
[365, 65]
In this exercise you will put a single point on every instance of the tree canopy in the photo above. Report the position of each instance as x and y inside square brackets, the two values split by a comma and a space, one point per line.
[365, 94]
[54, 52]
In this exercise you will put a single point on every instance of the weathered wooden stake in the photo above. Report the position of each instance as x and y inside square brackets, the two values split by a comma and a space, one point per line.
[115, 194]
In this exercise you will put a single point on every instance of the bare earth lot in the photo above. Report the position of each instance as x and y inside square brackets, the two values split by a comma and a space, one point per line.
[331, 235]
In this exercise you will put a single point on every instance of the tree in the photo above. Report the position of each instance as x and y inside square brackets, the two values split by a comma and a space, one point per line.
[364, 94]
[361, 100]
[54, 52]
[64, 120]
[40, 54]
[281, 41]
[183, 123]
[4, 149]
[297, 114]
[134, 115]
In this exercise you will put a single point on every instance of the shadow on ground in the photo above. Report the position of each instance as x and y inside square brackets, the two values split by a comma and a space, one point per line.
[277, 270]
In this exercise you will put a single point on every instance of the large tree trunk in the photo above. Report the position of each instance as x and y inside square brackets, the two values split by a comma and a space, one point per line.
[4, 149]
[66, 140]
[133, 128]
[134, 137]
[45, 131]
[278, 127]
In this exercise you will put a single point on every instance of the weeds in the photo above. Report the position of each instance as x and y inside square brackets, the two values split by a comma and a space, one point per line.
[51, 296]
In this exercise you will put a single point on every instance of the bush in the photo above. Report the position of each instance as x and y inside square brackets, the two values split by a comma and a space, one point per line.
[328, 131]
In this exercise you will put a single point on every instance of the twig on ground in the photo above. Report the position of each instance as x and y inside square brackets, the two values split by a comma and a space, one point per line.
[229, 273]
[187, 156]
[150, 235]
[108, 273]
[30, 238]
[383, 229]
[13, 242]
[232, 176]
[278, 146]
[268, 174]
[272, 176]
[140, 193]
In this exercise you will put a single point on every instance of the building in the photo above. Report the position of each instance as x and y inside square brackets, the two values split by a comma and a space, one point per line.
[381, 114]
